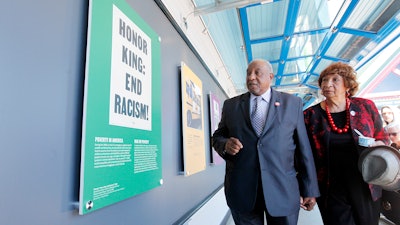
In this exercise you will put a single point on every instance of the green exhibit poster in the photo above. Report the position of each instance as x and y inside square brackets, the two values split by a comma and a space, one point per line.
[121, 127]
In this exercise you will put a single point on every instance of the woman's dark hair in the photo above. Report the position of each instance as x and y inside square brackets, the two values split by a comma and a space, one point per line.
[344, 70]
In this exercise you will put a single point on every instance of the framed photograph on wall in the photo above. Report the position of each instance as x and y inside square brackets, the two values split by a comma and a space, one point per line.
[193, 147]
[215, 117]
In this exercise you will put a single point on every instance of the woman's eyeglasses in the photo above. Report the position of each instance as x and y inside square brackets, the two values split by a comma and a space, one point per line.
[393, 134]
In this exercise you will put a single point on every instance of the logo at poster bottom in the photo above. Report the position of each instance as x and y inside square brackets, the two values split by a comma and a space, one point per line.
[89, 205]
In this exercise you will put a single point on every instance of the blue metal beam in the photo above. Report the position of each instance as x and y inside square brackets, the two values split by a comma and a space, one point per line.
[382, 34]
[363, 33]
[268, 39]
[282, 37]
[246, 32]
[291, 17]
[335, 59]
[331, 35]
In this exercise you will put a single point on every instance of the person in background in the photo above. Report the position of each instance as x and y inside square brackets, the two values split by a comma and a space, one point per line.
[269, 163]
[393, 131]
[345, 198]
[391, 199]
[389, 114]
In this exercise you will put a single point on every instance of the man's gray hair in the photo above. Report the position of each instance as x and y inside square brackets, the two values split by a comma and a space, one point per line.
[395, 125]
[269, 65]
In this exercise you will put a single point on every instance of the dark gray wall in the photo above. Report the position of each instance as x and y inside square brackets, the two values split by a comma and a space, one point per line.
[42, 61]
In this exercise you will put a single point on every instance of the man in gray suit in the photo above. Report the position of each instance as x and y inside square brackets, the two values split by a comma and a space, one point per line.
[271, 170]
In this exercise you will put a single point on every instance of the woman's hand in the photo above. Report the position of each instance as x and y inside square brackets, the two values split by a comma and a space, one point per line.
[307, 203]
[376, 143]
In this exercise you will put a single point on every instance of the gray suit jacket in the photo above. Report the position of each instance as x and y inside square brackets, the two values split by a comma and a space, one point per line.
[281, 156]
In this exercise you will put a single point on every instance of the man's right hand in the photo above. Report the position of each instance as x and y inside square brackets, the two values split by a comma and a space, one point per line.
[233, 146]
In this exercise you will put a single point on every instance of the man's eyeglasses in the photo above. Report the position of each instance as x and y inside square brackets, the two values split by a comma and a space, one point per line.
[393, 134]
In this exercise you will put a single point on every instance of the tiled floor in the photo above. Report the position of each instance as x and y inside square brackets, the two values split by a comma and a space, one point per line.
[305, 218]
[313, 218]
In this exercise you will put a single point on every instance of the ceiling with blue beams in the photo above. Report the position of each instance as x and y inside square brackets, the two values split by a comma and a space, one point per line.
[299, 37]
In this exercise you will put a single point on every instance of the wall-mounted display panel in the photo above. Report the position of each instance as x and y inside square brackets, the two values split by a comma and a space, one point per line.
[194, 158]
[215, 117]
[121, 130]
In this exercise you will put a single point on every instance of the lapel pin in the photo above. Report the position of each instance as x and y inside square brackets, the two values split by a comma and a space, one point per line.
[277, 104]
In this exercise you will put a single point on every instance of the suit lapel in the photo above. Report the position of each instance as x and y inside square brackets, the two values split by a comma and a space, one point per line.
[245, 107]
[273, 109]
